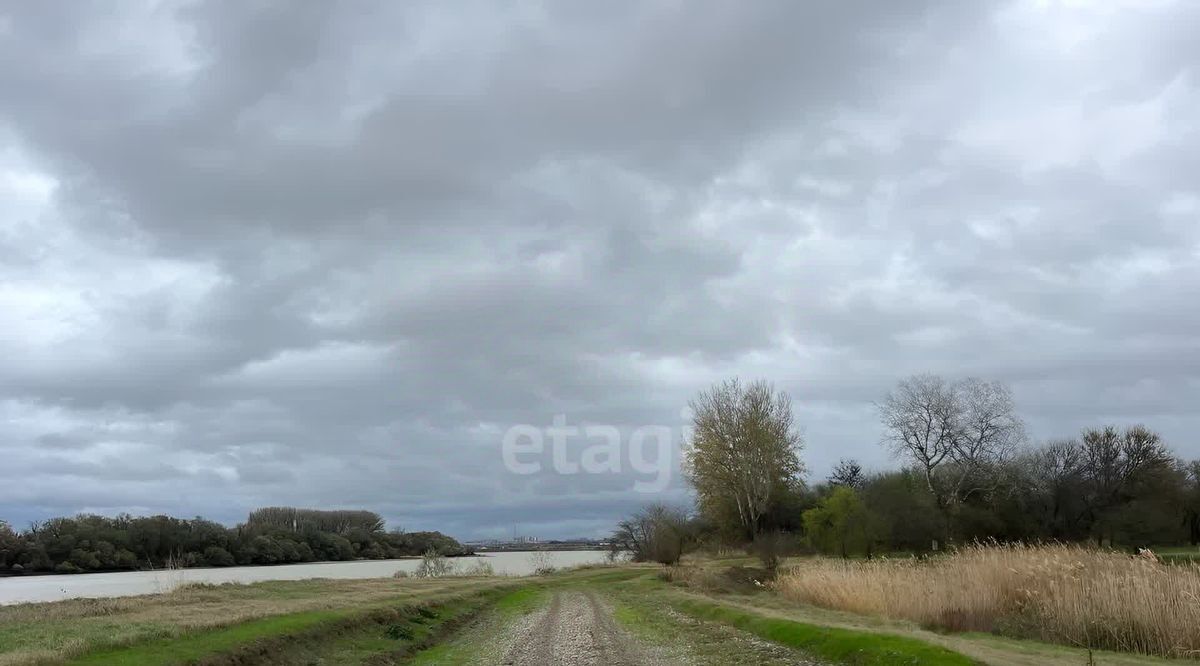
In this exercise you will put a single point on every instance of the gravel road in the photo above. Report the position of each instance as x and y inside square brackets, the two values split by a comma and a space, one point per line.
[576, 628]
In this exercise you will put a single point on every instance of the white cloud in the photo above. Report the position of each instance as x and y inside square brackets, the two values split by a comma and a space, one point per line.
[255, 254]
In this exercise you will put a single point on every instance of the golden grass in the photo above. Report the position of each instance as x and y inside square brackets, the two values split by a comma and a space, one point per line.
[1065, 594]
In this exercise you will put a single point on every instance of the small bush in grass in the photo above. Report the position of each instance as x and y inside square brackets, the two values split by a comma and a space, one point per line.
[731, 580]
[666, 545]
[200, 586]
[540, 563]
[434, 565]
[427, 613]
[768, 548]
[670, 574]
[398, 632]
[480, 568]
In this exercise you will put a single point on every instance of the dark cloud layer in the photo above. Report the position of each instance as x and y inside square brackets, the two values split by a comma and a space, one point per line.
[328, 254]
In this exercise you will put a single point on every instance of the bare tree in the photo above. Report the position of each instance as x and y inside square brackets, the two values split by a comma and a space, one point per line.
[1192, 501]
[956, 434]
[1055, 472]
[657, 533]
[743, 453]
[1111, 462]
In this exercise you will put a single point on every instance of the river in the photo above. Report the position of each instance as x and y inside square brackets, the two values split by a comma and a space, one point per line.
[18, 589]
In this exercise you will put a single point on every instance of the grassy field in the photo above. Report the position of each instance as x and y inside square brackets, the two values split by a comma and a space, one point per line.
[698, 614]
[1178, 554]
[53, 632]
[650, 603]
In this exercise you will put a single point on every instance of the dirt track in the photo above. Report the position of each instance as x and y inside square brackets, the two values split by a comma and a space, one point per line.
[575, 628]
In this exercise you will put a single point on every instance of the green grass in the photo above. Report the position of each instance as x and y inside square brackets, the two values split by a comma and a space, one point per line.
[520, 601]
[486, 634]
[353, 624]
[340, 635]
[58, 631]
[651, 621]
[645, 599]
[1178, 554]
[51, 638]
[401, 636]
[841, 646]
[443, 653]
[177, 625]
[194, 646]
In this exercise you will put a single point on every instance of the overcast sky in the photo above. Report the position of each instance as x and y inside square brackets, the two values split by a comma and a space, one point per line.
[326, 254]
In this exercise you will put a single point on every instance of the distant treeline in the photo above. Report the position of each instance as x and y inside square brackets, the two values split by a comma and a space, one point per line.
[274, 535]
[968, 472]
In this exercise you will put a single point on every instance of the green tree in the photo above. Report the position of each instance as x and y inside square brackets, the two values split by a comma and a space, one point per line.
[1192, 502]
[903, 510]
[743, 453]
[840, 524]
[10, 546]
[847, 473]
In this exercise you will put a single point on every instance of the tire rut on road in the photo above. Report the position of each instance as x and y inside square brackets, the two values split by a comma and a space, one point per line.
[614, 643]
[576, 628]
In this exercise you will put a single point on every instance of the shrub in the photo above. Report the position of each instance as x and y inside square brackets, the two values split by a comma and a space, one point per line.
[480, 568]
[657, 533]
[540, 563]
[434, 565]
[84, 559]
[67, 567]
[125, 559]
[768, 548]
[840, 524]
[217, 556]
[666, 544]
[399, 632]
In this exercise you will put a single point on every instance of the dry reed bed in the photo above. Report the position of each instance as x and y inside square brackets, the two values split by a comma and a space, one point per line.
[1060, 593]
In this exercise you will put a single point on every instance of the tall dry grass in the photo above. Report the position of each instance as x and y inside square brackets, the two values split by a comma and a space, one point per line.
[1060, 593]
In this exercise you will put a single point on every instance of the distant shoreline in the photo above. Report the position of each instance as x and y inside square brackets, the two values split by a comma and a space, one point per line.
[478, 552]
[529, 548]
[22, 574]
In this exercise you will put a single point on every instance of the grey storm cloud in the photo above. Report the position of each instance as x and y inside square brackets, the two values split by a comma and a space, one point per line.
[327, 254]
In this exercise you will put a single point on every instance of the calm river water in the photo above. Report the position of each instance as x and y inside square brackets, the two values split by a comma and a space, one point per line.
[127, 583]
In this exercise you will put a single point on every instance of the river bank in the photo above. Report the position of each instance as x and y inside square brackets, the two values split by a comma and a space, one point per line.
[9, 573]
[578, 616]
[59, 587]
[628, 613]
